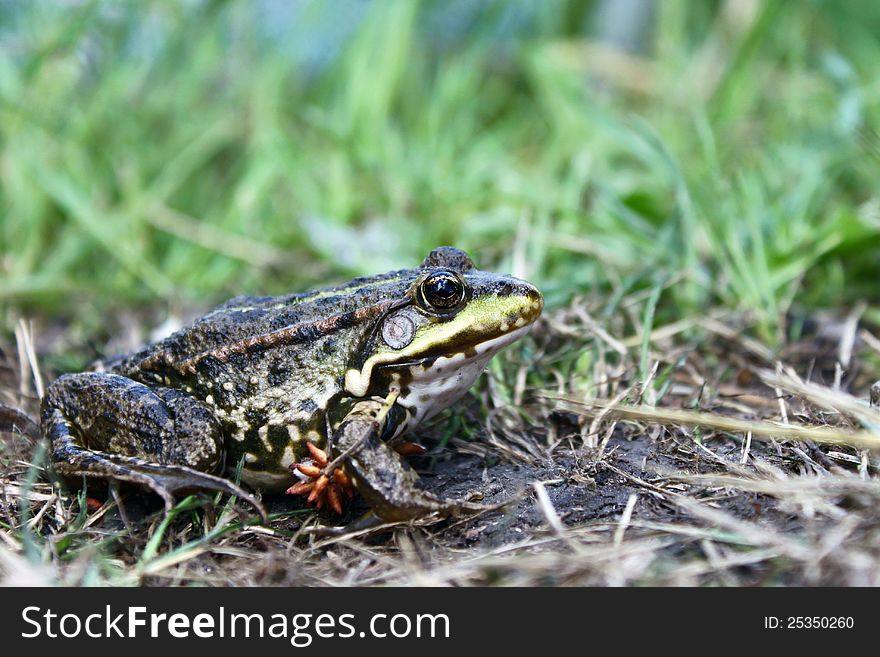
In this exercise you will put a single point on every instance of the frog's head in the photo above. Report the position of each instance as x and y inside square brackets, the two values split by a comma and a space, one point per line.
[433, 343]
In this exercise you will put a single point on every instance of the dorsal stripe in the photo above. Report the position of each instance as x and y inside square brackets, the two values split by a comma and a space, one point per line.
[284, 336]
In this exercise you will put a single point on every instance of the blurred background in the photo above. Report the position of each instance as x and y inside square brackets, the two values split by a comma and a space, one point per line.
[158, 157]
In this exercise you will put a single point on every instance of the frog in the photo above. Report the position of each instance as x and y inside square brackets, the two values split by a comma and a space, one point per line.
[313, 394]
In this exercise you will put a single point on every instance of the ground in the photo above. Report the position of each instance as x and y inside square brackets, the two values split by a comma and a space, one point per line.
[611, 488]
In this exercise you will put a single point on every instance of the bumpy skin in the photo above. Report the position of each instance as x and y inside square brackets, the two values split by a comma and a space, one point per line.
[257, 377]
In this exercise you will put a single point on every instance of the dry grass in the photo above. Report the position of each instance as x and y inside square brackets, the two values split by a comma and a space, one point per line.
[723, 463]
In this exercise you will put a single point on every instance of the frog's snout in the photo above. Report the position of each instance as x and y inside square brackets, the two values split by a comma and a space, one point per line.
[527, 302]
[534, 302]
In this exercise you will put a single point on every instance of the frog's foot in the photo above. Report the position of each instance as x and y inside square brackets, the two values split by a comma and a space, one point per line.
[167, 481]
[322, 488]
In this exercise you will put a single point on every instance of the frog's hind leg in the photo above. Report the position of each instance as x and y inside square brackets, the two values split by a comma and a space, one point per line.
[109, 426]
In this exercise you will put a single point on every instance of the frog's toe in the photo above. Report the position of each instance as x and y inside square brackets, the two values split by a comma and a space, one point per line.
[171, 480]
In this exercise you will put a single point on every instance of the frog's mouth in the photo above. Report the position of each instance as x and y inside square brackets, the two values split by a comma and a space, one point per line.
[438, 363]
[437, 379]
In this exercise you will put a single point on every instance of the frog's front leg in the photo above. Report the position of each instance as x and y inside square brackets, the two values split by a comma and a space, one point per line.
[109, 426]
[386, 483]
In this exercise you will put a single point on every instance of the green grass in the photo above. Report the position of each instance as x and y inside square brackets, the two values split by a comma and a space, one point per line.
[737, 156]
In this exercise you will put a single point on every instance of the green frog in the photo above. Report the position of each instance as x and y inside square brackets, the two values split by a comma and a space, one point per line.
[307, 393]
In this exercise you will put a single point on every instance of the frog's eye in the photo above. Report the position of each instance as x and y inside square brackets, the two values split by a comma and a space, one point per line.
[442, 292]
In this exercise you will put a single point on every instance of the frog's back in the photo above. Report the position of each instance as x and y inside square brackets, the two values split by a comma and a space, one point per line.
[247, 318]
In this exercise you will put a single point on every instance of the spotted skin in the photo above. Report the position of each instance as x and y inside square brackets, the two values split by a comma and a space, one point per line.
[257, 378]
